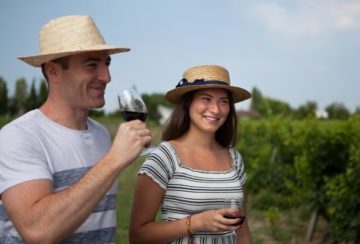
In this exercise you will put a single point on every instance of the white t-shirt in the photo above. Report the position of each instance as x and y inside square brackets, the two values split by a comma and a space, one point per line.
[35, 147]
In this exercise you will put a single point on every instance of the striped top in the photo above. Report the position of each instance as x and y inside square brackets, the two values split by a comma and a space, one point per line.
[189, 191]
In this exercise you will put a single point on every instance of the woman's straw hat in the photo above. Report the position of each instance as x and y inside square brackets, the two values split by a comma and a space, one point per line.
[206, 76]
[69, 35]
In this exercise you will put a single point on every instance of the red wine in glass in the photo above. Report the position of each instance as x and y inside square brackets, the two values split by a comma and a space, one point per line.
[130, 115]
[235, 203]
[241, 221]
[131, 105]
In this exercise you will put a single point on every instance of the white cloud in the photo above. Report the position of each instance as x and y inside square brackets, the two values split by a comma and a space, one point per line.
[307, 17]
[347, 16]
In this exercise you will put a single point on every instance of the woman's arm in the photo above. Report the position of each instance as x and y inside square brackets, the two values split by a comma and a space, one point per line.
[143, 228]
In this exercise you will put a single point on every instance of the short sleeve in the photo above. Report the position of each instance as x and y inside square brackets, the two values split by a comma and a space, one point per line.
[160, 165]
[240, 167]
[21, 158]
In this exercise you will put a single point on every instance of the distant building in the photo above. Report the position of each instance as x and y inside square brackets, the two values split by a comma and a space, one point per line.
[247, 114]
[164, 113]
[322, 114]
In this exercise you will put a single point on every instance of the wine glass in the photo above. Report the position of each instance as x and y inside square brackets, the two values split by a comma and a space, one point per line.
[237, 204]
[133, 107]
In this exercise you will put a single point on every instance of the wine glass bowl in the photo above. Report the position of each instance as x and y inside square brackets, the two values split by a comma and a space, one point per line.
[131, 105]
[235, 203]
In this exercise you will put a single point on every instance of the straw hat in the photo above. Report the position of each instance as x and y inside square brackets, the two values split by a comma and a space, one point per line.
[69, 35]
[206, 76]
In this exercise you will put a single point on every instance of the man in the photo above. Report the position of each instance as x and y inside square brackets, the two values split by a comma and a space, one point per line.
[58, 167]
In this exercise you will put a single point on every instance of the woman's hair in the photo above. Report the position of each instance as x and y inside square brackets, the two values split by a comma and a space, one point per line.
[179, 122]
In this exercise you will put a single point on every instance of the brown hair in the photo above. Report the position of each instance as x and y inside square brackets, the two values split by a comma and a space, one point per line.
[63, 62]
[179, 122]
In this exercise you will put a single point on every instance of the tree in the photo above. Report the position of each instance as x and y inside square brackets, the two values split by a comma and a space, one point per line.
[20, 95]
[337, 111]
[356, 113]
[43, 92]
[3, 97]
[306, 111]
[268, 107]
[152, 101]
[278, 108]
[256, 100]
[32, 99]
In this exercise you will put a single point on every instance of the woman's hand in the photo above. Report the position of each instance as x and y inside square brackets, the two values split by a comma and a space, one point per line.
[214, 220]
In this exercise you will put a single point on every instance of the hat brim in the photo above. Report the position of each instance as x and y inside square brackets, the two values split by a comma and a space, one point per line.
[38, 60]
[239, 94]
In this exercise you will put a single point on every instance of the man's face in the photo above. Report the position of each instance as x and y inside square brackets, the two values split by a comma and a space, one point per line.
[82, 85]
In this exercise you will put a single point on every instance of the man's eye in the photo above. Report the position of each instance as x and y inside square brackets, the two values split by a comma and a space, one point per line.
[91, 65]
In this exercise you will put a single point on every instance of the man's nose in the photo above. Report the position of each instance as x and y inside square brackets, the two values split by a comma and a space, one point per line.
[104, 74]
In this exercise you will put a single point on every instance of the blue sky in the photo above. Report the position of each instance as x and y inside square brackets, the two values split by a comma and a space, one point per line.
[295, 51]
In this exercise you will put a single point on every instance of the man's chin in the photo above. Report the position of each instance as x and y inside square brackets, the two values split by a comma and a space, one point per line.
[98, 105]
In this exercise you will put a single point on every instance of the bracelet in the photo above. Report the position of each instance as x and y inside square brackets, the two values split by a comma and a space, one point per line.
[188, 225]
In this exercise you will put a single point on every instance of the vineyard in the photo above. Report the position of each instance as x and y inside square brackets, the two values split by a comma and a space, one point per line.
[309, 165]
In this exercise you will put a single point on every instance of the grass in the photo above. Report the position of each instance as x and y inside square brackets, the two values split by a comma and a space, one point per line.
[124, 200]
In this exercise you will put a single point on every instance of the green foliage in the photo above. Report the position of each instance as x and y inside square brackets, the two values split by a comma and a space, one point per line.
[264, 145]
[96, 113]
[337, 111]
[306, 111]
[342, 191]
[152, 101]
[356, 114]
[324, 153]
[32, 100]
[3, 97]
[268, 107]
[22, 100]
[43, 92]
[265, 200]
[273, 215]
[20, 95]
[5, 120]
[311, 161]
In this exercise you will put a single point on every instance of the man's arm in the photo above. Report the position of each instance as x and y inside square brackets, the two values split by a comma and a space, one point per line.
[42, 216]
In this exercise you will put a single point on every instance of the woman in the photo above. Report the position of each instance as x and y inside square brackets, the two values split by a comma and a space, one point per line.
[196, 167]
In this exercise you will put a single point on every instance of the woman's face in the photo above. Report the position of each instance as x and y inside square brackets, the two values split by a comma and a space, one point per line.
[209, 109]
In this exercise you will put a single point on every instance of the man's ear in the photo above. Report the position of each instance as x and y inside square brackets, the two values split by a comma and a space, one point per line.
[52, 71]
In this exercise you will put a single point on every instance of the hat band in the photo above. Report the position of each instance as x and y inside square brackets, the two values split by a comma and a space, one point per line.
[185, 82]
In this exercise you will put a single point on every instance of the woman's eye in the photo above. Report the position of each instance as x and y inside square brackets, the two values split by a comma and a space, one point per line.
[206, 99]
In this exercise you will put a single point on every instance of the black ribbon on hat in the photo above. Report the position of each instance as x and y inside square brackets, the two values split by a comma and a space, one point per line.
[184, 82]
